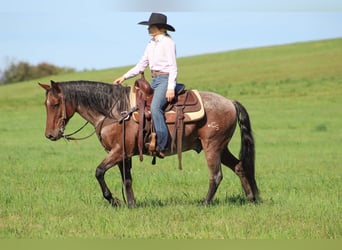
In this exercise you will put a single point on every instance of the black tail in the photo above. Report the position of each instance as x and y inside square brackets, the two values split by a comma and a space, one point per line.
[247, 151]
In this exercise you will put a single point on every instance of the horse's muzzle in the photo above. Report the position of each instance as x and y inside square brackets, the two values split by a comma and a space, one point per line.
[52, 137]
[55, 134]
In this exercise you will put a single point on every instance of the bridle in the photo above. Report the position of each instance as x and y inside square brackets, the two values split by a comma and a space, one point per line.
[64, 120]
[125, 115]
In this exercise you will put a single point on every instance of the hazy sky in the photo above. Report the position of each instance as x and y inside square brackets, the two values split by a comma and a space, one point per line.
[100, 34]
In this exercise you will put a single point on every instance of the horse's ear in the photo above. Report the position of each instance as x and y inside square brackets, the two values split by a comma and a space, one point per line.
[44, 86]
[55, 86]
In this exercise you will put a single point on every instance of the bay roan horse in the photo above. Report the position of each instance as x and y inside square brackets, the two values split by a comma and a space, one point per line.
[102, 105]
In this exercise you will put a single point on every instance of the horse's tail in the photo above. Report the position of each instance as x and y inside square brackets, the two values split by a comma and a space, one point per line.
[247, 151]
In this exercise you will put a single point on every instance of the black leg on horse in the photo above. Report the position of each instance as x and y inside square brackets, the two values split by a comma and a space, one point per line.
[248, 182]
[99, 173]
[127, 180]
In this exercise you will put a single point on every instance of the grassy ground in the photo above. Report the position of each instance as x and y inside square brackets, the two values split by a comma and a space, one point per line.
[293, 94]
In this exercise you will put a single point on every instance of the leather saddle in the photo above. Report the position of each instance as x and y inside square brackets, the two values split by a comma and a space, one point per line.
[186, 107]
[188, 100]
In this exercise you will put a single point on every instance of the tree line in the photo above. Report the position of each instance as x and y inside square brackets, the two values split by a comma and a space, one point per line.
[23, 71]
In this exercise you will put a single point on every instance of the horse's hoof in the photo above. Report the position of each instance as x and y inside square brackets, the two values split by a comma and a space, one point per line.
[251, 198]
[206, 203]
[115, 202]
[131, 205]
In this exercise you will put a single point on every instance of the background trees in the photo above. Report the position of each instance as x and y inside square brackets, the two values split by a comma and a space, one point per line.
[23, 71]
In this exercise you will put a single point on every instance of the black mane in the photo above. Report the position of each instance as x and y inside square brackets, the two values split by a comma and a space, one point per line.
[107, 99]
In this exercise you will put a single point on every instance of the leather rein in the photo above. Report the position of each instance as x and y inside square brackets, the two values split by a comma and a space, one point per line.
[64, 118]
[69, 137]
[125, 115]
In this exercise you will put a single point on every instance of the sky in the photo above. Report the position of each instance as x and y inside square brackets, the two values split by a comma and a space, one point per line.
[101, 34]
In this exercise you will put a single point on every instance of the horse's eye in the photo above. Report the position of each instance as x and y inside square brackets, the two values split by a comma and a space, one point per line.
[55, 106]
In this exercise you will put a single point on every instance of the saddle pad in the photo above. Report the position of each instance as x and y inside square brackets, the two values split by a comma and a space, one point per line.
[170, 116]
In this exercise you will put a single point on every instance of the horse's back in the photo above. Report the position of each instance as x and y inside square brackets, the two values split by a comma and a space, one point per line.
[217, 103]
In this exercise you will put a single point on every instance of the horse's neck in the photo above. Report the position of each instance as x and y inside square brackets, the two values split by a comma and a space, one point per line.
[94, 114]
[91, 116]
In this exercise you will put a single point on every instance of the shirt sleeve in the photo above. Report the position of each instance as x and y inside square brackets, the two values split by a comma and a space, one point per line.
[140, 67]
[171, 58]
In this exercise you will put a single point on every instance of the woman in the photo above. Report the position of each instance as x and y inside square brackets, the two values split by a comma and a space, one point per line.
[160, 55]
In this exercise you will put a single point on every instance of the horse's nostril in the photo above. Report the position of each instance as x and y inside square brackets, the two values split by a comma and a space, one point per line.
[50, 137]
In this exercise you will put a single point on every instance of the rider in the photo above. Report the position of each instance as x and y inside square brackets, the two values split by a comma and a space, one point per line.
[160, 55]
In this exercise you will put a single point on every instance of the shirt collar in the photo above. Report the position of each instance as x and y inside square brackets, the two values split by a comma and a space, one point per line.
[159, 38]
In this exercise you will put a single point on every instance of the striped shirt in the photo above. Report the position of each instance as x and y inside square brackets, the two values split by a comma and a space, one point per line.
[160, 55]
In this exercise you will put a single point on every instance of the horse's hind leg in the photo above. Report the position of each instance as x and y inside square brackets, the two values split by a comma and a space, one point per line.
[229, 160]
[127, 181]
[215, 173]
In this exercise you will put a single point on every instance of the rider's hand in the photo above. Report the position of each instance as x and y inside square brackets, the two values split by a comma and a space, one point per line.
[170, 94]
[119, 80]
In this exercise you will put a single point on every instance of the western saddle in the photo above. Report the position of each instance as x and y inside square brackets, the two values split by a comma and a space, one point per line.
[186, 107]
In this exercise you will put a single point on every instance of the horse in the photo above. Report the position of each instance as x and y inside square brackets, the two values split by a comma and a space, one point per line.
[102, 105]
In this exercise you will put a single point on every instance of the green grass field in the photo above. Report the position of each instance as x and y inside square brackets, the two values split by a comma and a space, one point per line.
[293, 94]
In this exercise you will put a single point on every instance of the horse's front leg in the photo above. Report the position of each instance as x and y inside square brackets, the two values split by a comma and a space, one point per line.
[125, 170]
[100, 173]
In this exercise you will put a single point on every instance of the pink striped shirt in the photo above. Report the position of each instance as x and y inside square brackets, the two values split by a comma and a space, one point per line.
[160, 55]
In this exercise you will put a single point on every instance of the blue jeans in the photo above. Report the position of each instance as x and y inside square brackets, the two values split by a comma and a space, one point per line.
[159, 102]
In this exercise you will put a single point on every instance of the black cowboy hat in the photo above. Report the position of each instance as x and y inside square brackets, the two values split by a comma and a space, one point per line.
[157, 18]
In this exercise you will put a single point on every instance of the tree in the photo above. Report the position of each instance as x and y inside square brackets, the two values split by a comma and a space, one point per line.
[23, 71]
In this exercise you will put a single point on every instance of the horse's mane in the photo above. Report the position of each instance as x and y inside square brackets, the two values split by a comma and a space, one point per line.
[107, 99]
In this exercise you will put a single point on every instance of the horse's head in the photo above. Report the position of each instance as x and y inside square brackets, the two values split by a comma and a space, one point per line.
[58, 111]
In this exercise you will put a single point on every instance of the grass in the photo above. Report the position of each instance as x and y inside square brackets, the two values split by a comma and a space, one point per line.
[293, 94]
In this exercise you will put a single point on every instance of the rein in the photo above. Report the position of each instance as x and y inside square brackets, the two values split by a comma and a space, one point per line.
[125, 116]
[70, 138]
